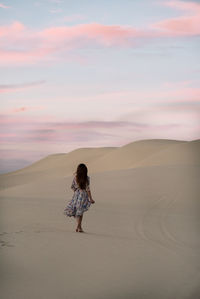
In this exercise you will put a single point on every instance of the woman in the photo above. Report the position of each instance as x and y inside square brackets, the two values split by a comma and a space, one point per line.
[82, 197]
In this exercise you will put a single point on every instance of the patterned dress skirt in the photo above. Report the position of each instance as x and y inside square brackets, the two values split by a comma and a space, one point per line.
[78, 204]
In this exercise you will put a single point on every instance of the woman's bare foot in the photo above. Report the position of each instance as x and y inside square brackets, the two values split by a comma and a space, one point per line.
[79, 229]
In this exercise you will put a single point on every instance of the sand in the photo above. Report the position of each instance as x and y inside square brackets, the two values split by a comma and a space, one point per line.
[141, 236]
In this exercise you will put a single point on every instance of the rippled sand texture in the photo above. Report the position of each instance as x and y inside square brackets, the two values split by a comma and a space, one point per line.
[141, 237]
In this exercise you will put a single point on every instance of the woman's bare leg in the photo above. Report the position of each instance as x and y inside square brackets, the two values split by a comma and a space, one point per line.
[79, 221]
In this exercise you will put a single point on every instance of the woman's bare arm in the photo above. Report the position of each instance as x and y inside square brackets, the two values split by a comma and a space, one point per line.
[90, 196]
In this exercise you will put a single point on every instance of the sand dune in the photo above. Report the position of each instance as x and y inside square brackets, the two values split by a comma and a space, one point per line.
[127, 156]
[52, 165]
[181, 153]
[136, 154]
[65, 161]
[141, 237]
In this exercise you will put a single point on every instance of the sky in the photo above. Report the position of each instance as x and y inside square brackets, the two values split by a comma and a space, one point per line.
[96, 73]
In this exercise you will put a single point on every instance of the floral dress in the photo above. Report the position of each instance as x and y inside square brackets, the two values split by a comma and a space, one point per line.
[80, 200]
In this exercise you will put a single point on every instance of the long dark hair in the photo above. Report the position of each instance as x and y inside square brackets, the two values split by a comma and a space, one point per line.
[81, 175]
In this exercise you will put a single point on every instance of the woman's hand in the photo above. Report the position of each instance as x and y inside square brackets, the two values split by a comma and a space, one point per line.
[90, 196]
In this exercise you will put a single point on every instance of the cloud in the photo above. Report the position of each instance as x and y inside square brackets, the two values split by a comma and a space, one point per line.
[20, 109]
[9, 31]
[84, 35]
[16, 87]
[4, 6]
[169, 91]
[65, 125]
[21, 45]
[187, 6]
[23, 129]
[24, 109]
[188, 25]
[95, 124]
[30, 130]
[27, 137]
[182, 113]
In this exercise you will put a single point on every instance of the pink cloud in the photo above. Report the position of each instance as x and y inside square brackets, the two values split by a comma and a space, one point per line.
[45, 44]
[13, 57]
[10, 30]
[47, 123]
[79, 35]
[29, 136]
[24, 108]
[51, 133]
[4, 6]
[184, 25]
[20, 109]
[188, 93]
[187, 6]
[23, 129]
[21, 45]
[168, 92]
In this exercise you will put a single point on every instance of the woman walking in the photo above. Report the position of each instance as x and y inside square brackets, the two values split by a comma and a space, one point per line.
[82, 198]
